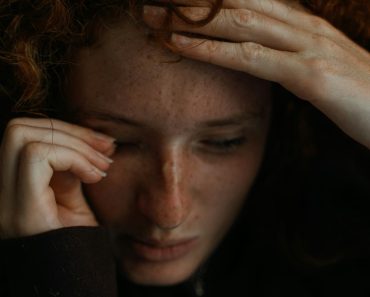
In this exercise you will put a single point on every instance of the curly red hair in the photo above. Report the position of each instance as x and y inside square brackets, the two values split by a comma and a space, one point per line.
[39, 35]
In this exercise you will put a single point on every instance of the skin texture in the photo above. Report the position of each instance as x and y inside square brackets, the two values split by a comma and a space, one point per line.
[280, 41]
[169, 181]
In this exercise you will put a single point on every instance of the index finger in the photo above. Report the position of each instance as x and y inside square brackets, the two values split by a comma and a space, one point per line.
[95, 139]
[290, 12]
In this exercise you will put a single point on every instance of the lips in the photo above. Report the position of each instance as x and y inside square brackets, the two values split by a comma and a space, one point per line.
[153, 250]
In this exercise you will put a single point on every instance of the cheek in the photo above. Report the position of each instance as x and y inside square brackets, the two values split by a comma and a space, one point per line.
[224, 189]
[223, 186]
[112, 198]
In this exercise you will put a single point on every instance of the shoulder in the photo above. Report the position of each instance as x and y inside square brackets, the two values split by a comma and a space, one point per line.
[75, 261]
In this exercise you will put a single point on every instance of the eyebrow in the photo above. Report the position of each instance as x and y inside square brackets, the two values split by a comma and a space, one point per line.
[232, 120]
[111, 117]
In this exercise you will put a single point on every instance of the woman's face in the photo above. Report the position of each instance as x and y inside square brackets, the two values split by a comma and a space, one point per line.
[190, 142]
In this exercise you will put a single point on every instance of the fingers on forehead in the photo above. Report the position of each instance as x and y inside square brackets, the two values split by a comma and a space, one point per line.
[97, 140]
[53, 124]
[235, 3]
[194, 3]
[272, 8]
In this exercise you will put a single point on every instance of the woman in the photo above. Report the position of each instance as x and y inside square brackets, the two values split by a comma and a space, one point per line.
[164, 155]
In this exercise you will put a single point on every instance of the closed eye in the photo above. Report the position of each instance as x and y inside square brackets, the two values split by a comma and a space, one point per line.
[224, 145]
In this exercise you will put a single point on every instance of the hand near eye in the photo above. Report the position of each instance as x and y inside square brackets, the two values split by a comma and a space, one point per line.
[42, 165]
[277, 42]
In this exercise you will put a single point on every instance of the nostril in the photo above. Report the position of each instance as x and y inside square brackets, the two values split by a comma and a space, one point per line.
[169, 214]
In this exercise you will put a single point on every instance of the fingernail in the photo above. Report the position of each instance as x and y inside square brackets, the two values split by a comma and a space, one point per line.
[101, 173]
[180, 40]
[105, 158]
[104, 137]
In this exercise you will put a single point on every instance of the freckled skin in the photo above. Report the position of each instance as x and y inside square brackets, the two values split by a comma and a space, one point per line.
[174, 186]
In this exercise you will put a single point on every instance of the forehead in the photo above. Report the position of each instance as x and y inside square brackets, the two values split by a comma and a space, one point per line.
[127, 69]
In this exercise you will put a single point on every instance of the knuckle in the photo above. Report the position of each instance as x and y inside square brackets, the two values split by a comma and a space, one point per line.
[324, 43]
[320, 64]
[14, 132]
[320, 24]
[250, 52]
[318, 40]
[31, 151]
[320, 73]
[317, 65]
[241, 18]
[212, 47]
[16, 121]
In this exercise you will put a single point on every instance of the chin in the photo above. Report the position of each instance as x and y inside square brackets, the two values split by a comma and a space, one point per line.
[159, 274]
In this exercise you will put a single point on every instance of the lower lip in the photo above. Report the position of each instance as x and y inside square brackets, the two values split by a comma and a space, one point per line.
[158, 254]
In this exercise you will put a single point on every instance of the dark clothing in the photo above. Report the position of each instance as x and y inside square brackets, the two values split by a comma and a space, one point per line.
[66, 262]
[77, 262]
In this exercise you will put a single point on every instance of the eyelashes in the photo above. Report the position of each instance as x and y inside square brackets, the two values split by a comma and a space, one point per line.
[222, 145]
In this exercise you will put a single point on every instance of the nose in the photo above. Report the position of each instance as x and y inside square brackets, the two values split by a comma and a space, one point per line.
[166, 200]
